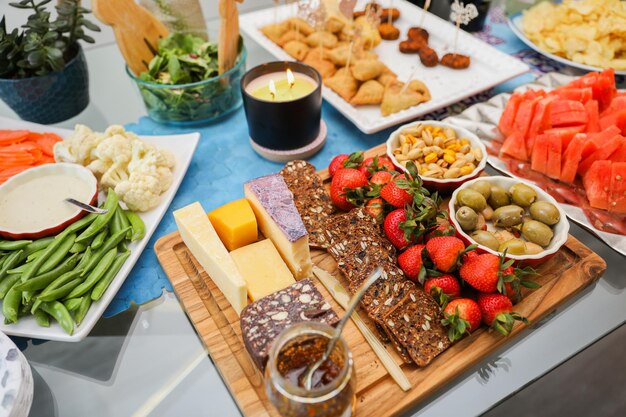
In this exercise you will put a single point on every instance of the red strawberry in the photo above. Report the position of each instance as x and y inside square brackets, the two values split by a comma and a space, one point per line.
[441, 230]
[482, 272]
[394, 230]
[442, 288]
[445, 252]
[375, 207]
[345, 161]
[497, 312]
[412, 263]
[381, 177]
[344, 180]
[514, 281]
[375, 164]
[395, 195]
[462, 316]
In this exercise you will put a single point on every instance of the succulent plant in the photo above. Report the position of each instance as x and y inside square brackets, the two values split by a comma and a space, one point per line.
[43, 45]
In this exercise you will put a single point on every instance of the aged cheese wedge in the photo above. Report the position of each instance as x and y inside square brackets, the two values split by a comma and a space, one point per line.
[204, 243]
[262, 268]
[279, 220]
[235, 224]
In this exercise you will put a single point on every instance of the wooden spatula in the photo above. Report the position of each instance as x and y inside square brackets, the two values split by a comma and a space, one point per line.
[229, 35]
[137, 31]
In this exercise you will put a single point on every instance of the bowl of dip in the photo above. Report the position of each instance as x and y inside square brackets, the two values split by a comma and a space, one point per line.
[32, 203]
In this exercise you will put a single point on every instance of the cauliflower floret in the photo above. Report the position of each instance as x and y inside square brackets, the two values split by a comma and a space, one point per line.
[165, 178]
[115, 130]
[166, 159]
[117, 149]
[114, 175]
[140, 191]
[99, 167]
[77, 147]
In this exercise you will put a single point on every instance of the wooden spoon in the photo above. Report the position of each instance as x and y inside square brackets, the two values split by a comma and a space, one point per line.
[136, 30]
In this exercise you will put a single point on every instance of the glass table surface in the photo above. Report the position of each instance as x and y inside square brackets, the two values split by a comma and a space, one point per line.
[149, 360]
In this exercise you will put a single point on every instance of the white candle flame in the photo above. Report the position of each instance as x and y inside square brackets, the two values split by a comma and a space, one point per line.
[290, 78]
[272, 88]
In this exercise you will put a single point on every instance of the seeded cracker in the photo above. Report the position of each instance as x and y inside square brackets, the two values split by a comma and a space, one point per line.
[263, 320]
[311, 199]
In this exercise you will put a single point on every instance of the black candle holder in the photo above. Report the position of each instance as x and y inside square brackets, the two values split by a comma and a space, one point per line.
[288, 125]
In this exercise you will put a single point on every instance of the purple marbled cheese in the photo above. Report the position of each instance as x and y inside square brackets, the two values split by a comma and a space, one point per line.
[275, 197]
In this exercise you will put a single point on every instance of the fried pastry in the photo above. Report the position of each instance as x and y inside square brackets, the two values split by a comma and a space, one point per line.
[370, 92]
[290, 35]
[334, 24]
[322, 65]
[456, 61]
[395, 100]
[343, 83]
[370, 38]
[298, 50]
[323, 38]
[386, 76]
[428, 56]
[367, 69]
[339, 55]
[300, 25]
[388, 31]
[411, 46]
[417, 33]
[419, 87]
[274, 31]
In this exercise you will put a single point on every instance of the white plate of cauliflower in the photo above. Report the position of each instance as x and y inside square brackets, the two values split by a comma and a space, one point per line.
[145, 172]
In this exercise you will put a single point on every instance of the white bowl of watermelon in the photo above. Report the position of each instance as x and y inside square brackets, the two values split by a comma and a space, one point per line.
[560, 230]
[442, 185]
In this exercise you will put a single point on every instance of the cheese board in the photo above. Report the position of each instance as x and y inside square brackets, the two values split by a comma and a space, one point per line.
[573, 268]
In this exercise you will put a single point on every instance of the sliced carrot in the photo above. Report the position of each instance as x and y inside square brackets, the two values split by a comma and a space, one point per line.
[46, 142]
[24, 146]
[9, 172]
[12, 136]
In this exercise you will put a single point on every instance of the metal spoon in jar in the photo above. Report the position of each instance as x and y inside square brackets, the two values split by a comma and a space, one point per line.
[307, 378]
[86, 207]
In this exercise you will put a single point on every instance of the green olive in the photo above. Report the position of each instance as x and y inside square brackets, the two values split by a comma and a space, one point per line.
[503, 235]
[481, 223]
[467, 218]
[483, 187]
[545, 212]
[499, 197]
[513, 247]
[508, 216]
[487, 213]
[482, 237]
[472, 199]
[533, 248]
[522, 194]
[537, 232]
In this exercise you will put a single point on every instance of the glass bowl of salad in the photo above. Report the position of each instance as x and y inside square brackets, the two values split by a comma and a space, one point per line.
[182, 86]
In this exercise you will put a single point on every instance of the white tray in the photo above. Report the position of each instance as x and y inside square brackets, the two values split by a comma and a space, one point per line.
[489, 68]
[482, 119]
[183, 147]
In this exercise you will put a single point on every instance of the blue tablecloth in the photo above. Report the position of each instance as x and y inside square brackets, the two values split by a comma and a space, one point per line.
[224, 159]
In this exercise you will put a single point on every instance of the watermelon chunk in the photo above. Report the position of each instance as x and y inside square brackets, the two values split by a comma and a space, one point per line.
[619, 155]
[602, 153]
[569, 119]
[508, 115]
[618, 103]
[604, 136]
[597, 182]
[593, 113]
[524, 116]
[566, 106]
[540, 122]
[553, 165]
[617, 193]
[617, 118]
[515, 146]
[602, 84]
[577, 94]
[572, 157]
[539, 158]
[566, 134]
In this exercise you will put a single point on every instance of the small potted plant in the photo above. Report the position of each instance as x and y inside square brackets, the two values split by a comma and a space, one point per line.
[43, 71]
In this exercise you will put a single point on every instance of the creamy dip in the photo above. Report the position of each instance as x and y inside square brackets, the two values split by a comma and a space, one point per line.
[38, 203]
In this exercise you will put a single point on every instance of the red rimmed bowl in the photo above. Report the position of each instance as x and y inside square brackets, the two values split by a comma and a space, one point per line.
[443, 185]
[36, 197]
[560, 230]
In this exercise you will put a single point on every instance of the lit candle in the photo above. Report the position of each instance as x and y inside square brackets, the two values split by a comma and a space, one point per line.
[281, 86]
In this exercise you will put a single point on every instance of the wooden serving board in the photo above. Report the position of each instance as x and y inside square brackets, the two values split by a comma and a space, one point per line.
[572, 269]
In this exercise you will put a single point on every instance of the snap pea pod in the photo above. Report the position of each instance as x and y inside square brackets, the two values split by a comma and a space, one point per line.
[11, 261]
[11, 304]
[58, 311]
[98, 241]
[54, 286]
[3, 257]
[110, 244]
[97, 225]
[95, 275]
[58, 255]
[84, 258]
[61, 291]
[78, 247]
[12, 245]
[35, 255]
[73, 303]
[139, 228]
[6, 285]
[50, 249]
[82, 223]
[20, 269]
[82, 309]
[104, 283]
[124, 223]
[42, 318]
[38, 245]
[27, 296]
[42, 281]
[116, 224]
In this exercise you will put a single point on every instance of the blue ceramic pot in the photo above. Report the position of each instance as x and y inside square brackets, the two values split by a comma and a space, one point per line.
[50, 98]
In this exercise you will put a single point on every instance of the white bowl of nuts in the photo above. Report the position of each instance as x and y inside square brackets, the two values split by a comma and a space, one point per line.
[446, 156]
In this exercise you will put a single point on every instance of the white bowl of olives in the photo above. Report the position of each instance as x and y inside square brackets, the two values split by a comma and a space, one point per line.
[501, 213]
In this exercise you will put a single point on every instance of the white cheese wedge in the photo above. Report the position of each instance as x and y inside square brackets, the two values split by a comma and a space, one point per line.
[279, 220]
[263, 269]
[205, 245]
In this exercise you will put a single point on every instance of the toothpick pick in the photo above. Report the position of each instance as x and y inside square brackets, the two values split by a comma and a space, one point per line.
[389, 13]
[349, 55]
[426, 7]
[406, 85]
